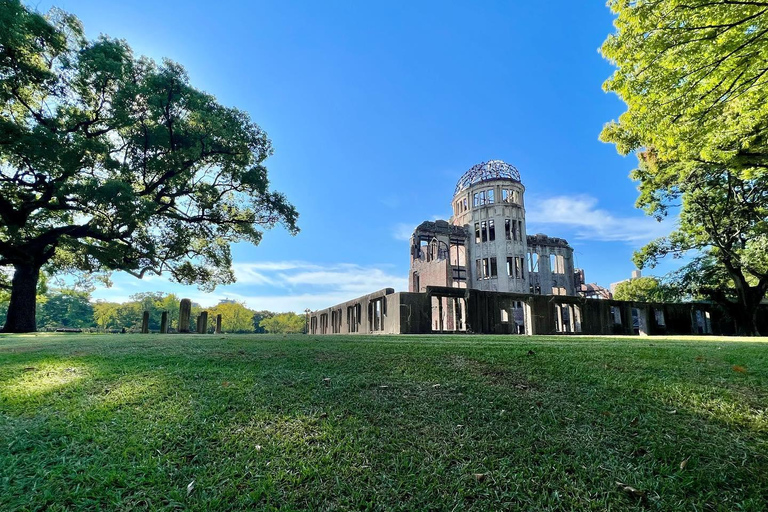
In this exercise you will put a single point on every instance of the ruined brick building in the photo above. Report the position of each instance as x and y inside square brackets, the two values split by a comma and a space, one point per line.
[480, 271]
[485, 245]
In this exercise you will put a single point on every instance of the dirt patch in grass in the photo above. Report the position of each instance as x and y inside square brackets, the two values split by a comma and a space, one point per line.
[493, 374]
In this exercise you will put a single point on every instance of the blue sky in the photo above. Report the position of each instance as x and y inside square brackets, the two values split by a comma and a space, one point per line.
[376, 109]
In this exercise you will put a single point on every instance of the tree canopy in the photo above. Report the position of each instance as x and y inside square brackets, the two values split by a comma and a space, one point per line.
[645, 289]
[693, 75]
[114, 162]
[284, 323]
[235, 316]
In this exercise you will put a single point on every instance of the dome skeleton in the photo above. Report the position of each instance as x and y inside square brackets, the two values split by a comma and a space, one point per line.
[487, 171]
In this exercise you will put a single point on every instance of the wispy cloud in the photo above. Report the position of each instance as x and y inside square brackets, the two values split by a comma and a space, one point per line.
[275, 285]
[588, 221]
[403, 231]
[347, 278]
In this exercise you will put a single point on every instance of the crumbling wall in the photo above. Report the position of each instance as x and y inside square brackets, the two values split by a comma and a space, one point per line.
[369, 314]
[484, 312]
[438, 256]
[554, 272]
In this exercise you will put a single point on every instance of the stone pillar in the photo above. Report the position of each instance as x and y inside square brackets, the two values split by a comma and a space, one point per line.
[164, 323]
[185, 309]
[145, 322]
[203, 329]
[218, 324]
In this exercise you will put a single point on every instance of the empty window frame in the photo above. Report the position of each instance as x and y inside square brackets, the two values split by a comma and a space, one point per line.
[423, 244]
[353, 317]
[437, 250]
[336, 321]
[483, 197]
[510, 229]
[616, 315]
[491, 231]
[486, 268]
[515, 267]
[376, 314]
[557, 263]
[477, 232]
[484, 231]
[533, 262]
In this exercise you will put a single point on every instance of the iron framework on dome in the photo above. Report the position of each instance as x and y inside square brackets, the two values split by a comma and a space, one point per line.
[485, 171]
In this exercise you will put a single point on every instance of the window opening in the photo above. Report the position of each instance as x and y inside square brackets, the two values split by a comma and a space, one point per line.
[533, 262]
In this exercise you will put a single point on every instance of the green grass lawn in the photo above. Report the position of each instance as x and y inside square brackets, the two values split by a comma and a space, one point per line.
[222, 422]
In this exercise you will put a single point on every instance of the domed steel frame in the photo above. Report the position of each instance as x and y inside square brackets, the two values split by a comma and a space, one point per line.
[487, 171]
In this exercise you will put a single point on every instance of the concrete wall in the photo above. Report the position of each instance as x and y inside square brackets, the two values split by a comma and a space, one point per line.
[387, 312]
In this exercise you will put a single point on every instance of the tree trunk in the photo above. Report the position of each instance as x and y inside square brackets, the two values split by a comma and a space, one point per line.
[21, 310]
[749, 314]
[748, 298]
[744, 312]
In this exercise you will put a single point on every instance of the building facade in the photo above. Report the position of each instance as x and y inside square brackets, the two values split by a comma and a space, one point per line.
[485, 244]
[481, 272]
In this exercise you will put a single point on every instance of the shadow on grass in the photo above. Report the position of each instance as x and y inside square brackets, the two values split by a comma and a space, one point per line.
[216, 423]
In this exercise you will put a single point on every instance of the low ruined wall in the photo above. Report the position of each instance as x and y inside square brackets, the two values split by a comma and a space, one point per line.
[387, 312]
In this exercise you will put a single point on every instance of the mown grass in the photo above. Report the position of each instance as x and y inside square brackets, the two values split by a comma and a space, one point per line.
[150, 422]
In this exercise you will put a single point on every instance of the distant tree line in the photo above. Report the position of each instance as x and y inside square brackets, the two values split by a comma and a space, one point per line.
[72, 308]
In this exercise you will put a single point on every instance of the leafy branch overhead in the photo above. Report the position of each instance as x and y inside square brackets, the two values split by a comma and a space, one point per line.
[109, 161]
[694, 76]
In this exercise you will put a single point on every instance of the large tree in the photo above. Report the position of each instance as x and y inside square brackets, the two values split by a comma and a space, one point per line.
[694, 76]
[645, 289]
[284, 323]
[235, 316]
[112, 162]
